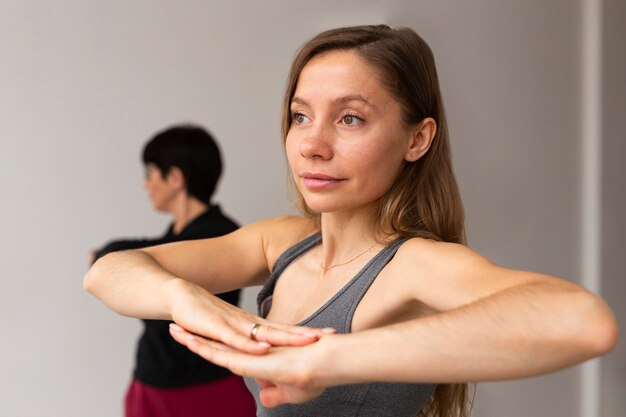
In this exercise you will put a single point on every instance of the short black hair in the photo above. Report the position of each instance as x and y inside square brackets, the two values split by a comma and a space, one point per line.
[194, 151]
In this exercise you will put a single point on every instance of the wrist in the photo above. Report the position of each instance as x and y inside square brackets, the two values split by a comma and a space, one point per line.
[353, 358]
[175, 291]
[326, 362]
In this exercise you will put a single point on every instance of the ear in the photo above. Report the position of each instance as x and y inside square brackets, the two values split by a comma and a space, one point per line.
[175, 178]
[422, 136]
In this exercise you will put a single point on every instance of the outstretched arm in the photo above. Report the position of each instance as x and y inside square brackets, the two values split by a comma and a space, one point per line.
[142, 283]
[519, 332]
[492, 324]
[177, 281]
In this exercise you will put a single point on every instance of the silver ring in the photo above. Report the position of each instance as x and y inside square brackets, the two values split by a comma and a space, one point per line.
[254, 331]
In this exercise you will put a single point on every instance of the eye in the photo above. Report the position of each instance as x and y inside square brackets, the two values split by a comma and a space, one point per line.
[299, 118]
[351, 120]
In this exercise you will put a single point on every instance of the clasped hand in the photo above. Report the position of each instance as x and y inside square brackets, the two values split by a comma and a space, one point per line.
[280, 357]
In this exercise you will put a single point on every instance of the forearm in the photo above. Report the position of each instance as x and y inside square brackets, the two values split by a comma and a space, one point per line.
[133, 284]
[524, 331]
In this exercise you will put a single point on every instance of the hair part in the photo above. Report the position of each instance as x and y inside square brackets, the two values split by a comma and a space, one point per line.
[424, 200]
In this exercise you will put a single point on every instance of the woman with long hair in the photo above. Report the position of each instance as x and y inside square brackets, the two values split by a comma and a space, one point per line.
[371, 303]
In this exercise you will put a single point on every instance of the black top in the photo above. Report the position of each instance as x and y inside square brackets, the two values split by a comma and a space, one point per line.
[160, 360]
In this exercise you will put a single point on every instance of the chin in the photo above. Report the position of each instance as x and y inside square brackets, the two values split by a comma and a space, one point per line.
[327, 205]
[338, 203]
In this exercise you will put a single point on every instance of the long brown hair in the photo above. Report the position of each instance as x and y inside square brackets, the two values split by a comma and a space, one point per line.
[424, 201]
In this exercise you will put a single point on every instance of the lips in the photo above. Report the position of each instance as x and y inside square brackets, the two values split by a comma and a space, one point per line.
[317, 181]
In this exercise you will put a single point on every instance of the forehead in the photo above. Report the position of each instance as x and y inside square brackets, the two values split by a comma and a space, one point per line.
[337, 74]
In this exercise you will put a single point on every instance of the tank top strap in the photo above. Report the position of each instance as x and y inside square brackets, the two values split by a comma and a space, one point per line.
[295, 251]
[367, 277]
[264, 298]
[338, 311]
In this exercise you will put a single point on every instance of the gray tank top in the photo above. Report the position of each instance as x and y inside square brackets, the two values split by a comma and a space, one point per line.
[362, 400]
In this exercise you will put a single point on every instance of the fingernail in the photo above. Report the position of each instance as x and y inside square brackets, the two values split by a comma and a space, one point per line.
[175, 327]
[263, 344]
[190, 337]
[329, 330]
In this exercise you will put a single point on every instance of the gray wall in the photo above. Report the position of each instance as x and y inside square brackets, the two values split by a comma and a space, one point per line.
[84, 84]
[613, 368]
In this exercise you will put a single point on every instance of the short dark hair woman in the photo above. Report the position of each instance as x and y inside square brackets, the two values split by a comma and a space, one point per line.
[183, 166]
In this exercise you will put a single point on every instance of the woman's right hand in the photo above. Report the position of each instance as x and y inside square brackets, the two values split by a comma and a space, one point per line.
[200, 312]
[286, 375]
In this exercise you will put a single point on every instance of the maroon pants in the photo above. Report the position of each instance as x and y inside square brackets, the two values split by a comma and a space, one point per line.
[226, 397]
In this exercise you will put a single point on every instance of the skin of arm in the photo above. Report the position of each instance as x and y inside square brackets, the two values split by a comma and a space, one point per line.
[138, 283]
[491, 323]
[176, 281]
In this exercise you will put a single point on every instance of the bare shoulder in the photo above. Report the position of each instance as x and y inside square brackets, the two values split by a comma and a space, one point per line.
[434, 257]
[443, 275]
[447, 275]
[280, 233]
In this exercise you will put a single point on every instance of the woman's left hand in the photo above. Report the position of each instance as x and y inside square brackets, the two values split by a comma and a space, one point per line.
[285, 374]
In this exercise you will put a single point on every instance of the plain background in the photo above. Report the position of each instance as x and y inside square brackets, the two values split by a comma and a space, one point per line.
[84, 84]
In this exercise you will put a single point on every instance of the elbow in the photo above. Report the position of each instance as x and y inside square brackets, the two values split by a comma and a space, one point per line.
[602, 332]
[607, 334]
[90, 280]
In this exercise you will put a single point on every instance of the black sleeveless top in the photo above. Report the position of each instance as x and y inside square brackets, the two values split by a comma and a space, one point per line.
[362, 400]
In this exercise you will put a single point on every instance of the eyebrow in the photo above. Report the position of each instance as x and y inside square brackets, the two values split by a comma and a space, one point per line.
[339, 100]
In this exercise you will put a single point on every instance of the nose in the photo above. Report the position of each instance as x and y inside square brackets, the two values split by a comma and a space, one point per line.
[317, 143]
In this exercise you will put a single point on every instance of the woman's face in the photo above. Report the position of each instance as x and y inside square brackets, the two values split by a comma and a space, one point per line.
[160, 190]
[346, 143]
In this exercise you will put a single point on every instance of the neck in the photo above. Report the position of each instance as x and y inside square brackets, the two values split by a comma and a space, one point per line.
[185, 209]
[346, 237]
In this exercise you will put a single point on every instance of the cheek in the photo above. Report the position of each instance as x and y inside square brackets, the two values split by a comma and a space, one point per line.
[291, 151]
[153, 189]
[382, 166]
[150, 185]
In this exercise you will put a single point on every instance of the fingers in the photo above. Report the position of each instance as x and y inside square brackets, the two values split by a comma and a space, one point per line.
[231, 337]
[240, 362]
[241, 339]
[286, 336]
[277, 387]
[272, 397]
[252, 334]
[248, 333]
[263, 383]
[215, 352]
[278, 334]
[204, 314]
